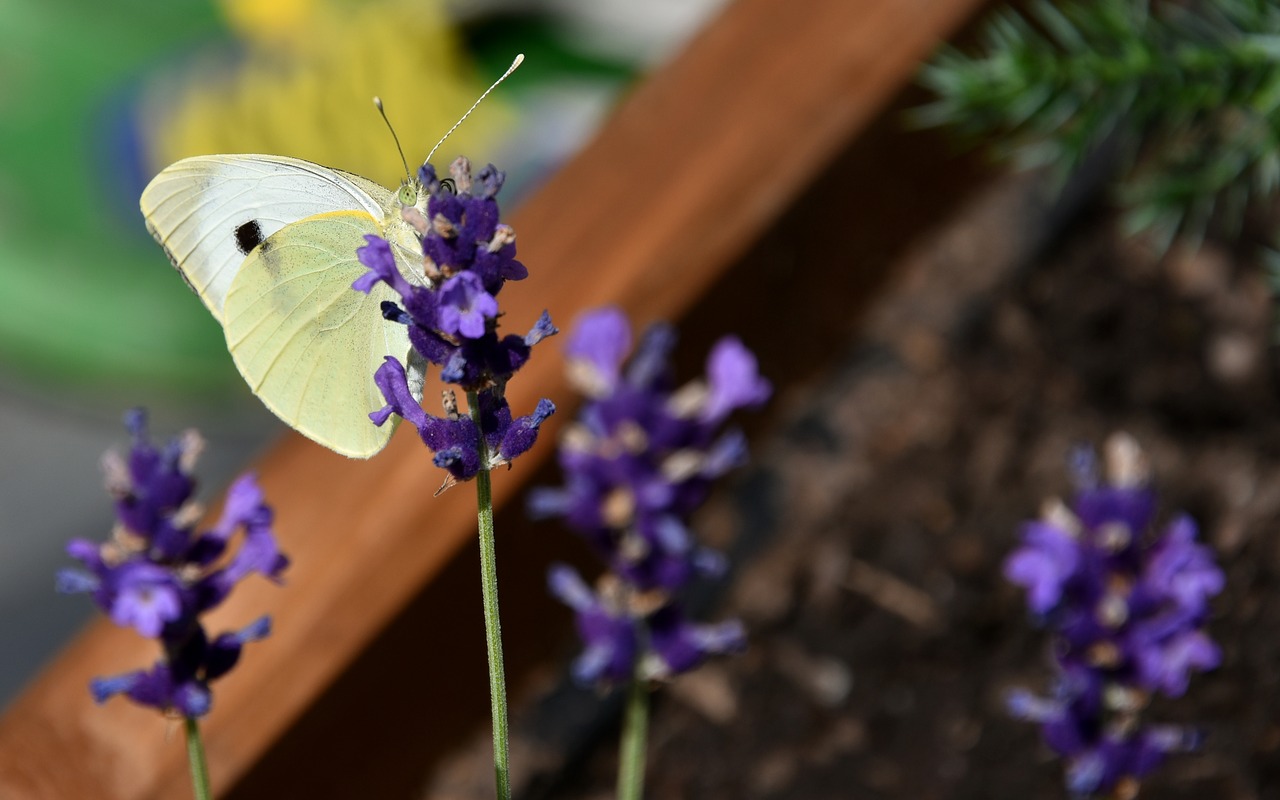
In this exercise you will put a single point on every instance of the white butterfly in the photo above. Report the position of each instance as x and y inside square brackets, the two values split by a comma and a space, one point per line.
[269, 243]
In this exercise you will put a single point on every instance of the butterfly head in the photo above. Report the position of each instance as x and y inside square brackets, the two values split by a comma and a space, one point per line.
[412, 194]
[410, 191]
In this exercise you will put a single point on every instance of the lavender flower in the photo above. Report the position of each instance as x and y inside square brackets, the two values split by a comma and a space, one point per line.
[1127, 604]
[614, 622]
[452, 314]
[639, 459]
[157, 575]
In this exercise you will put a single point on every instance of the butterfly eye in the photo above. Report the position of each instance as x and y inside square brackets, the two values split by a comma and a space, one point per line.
[407, 195]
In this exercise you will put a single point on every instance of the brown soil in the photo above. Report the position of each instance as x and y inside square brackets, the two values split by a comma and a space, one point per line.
[871, 538]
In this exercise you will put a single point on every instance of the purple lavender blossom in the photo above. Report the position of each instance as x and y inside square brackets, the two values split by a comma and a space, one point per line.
[467, 257]
[614, 621]
[180, 681]
[1047, 559]
[611, 634]
[1127, 603]
[157, 575]
[637, 462]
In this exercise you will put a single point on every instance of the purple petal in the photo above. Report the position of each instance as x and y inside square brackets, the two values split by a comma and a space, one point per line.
[146, 598]
[544, 503]
[1049, 556]
[1167, 665]
[651, 361]
[710, 563]
[244, 505]
[224, 652]
[524, 431]
[682, 646]
[540, 330]
[456, 444]
[1181, 570]
[103, 689]
[728, 452]
[258, 553]
[734, 380]
[489, 181]
[193, 699]
[597, 344]
[377, 256]
[1025, 705]
[568, 587]
[394, 385]
[465, 307]
[255, 631]
[71, 581]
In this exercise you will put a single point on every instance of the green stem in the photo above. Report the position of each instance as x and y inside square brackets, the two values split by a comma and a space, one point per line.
[195, 755]
[492, 622]
[635, 733]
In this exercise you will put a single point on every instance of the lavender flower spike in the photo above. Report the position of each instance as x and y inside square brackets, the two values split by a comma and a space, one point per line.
[1127, 603]
[637, 462]
[158, 575]
[468, 255]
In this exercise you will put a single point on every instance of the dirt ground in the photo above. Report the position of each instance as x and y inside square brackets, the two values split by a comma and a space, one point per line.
[882, 633]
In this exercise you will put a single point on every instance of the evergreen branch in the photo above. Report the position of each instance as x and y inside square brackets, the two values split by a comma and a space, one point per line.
[1188, 91]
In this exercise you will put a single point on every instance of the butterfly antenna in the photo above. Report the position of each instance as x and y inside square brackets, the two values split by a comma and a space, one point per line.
[519, 60]
[377, 102]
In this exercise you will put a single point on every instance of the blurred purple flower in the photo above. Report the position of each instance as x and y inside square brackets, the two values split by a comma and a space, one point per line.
[1127, 604]
[614, 622]
[1049, 556]
[638, 460]
[180, 681]
[158, 575]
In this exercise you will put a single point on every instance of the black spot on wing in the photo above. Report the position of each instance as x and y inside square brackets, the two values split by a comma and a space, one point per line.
[248, 236]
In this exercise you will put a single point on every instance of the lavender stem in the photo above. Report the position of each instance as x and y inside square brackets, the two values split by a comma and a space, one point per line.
[492, 621]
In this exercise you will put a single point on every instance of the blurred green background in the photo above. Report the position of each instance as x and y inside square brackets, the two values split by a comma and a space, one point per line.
[96, 98]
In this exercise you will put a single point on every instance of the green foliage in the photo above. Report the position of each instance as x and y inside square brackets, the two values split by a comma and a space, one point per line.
[1188, 92]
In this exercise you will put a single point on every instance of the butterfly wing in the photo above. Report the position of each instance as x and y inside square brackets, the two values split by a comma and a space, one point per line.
[209, 212]
[306, 342]
[268, 243]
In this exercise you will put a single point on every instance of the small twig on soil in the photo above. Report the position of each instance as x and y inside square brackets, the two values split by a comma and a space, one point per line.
[894, 595]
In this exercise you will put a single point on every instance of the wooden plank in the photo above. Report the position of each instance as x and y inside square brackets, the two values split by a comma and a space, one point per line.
[694, 164]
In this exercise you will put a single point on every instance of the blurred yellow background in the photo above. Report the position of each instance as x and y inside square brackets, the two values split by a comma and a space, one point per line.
[99, 100]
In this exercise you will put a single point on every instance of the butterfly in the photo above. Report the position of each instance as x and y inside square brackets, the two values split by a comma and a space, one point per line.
[269, 244]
